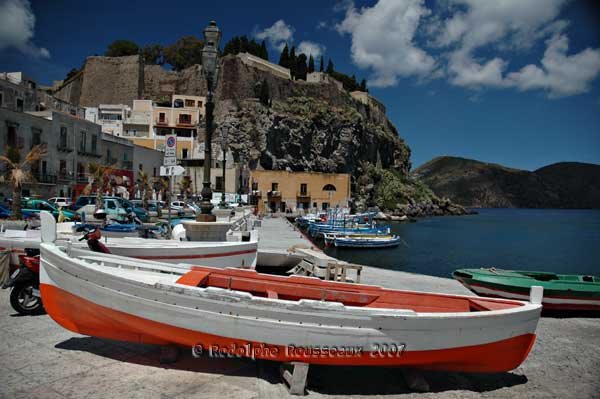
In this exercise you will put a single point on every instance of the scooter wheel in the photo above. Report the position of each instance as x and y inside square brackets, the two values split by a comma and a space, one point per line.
[23, 301]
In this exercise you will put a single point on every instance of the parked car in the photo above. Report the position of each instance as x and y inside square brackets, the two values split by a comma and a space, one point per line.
[6, 212]
[127, 205]
[60, 201]
[140, 212]
[183, 207]
[36, 206]
[112, 206]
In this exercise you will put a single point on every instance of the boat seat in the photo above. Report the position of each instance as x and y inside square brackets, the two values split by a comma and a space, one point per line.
[194, 278]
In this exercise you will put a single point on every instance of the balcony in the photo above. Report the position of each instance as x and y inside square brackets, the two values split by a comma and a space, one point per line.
[63, 177]
[274, 194]
[128, 165]
[162, 122]
[303, 194]
[44, 178]
[256, 193]
[82, 178]
[63, 147]
[89, 153]
[185, 123]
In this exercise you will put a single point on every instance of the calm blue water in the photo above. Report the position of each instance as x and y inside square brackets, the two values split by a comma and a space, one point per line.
[563, 241]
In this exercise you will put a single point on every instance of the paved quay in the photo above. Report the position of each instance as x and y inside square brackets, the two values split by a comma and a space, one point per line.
[39, 359]
[277, 234]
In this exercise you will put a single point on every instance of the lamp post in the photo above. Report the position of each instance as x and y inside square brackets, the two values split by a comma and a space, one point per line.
[224, 146]
[210, 66]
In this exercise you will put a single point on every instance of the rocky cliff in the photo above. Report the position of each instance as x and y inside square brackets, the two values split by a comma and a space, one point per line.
[478, 184]
[303, 127]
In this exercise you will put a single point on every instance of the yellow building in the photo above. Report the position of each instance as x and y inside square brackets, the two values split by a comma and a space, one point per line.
[148, 123]
[280, 190]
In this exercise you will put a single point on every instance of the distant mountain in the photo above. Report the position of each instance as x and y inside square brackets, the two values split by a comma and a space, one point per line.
[478, 184]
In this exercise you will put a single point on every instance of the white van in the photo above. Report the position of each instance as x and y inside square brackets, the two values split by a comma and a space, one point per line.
[60, 201]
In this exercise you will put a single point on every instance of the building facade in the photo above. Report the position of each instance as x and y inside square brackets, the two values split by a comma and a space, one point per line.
[17, 92]
[322, 77]
[147, 160]
[281, 190]
[368, 100]
[265, 65]
[72, 143]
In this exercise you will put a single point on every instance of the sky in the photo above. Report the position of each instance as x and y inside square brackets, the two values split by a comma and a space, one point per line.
[514, 82]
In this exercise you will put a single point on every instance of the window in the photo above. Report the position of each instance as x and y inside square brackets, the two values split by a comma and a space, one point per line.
[1, 99]
[154, 171]
[274, 186]
[140, 167]
[325, 205]
[82, 141]
[19, 105]
[62, 168]
[111, 204]
[63, 137]
[36, 137]
[94, 143]
[44, 168]
[108, 157]
[189, 103]
[11, 140]
[178, 103]
[219, 183]
[125, 156]
[303, 189]
[185, 119]
[329, 187]
[161, 117]
[184, 153]
[199, 104]
[111, 117]
[254, 186]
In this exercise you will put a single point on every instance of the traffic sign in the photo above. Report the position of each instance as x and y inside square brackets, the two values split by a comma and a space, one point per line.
[176, 170]
[170, 150]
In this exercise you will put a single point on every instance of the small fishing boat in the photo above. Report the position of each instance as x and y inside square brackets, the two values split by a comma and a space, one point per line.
[209, 253]
[292, 318]
[362, 240]
[561, 291]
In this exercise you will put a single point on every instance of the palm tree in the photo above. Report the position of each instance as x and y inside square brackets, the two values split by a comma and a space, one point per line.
[185, 186]
[100, 176]
[161, 185]
[145, 187]
[19, 172]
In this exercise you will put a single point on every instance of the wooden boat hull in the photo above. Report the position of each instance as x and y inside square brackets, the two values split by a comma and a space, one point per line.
[88, 298]
[512, 284]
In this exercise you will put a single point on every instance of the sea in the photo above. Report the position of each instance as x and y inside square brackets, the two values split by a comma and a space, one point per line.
[553, 240]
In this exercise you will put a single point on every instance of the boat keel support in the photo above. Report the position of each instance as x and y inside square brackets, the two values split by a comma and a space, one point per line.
[169, 354]
[415, 380]
[296, 380]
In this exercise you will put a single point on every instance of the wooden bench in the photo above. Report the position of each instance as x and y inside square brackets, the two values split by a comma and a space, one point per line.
[318, 264]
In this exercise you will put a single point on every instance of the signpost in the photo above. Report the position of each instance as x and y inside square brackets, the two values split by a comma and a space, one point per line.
[170, 168]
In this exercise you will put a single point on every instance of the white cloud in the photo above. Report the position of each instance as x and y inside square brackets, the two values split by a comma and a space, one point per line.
[383, 40]
[277, 34]
[308, 48]
[17, 23]
[560, 74]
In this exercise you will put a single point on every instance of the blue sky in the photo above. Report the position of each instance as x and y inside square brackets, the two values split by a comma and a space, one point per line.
[514, 82]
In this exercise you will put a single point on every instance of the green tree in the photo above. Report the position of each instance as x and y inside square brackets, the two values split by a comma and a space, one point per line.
[264, 53]
[311, 64]
[264, 95]
[293, 62]
[301, 70]
[330, 68]
[185, 52]
[152, 54]
[363, 85]
[321, 65]
[284, 58]
[121, 48]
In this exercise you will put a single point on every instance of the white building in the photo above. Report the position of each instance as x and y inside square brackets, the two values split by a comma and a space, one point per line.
[109, 116]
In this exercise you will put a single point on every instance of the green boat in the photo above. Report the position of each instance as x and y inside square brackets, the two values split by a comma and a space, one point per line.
[561, 291]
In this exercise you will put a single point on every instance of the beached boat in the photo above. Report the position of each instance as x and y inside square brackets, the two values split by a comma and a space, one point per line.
[207, 253]
[244, 313]
[362, 240]
[561, 291]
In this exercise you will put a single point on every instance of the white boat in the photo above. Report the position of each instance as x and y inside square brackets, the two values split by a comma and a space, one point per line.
[304, 319]
[206, 253]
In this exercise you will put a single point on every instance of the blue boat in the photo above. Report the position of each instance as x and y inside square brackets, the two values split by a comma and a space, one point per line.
[364, 241]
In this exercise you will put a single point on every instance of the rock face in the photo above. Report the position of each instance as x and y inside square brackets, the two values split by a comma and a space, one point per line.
[478, 184]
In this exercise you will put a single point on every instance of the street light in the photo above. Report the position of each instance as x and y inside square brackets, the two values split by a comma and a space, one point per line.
[224, 146]
[210, 66]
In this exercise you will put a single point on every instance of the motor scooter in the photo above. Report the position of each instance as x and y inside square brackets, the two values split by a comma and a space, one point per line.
[24, 282]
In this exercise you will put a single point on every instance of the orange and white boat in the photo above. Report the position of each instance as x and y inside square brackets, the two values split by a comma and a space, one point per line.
[304, 319]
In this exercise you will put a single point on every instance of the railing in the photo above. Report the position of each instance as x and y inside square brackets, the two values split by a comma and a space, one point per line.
[273, 193]
[40, 143]
[63, 147]
[82, 178]
[256, 193]
[163, 121]
[303, 193]
[128, 165]
[63, 177]
[185, 123]
[44, 178]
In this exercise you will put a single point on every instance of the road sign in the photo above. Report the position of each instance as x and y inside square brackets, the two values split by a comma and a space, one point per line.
[176, 170]
[170, 150]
